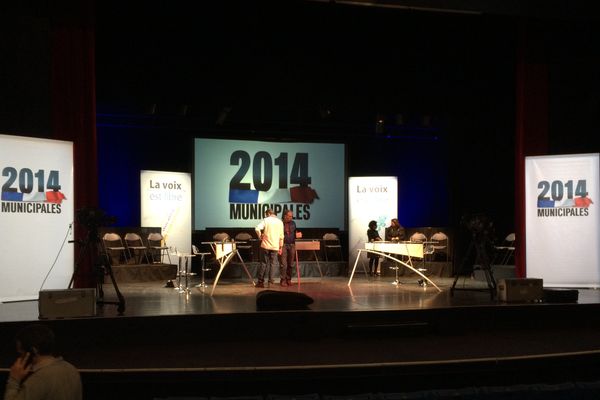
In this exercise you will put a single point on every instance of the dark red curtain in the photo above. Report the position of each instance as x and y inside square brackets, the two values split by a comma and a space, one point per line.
[73, 108]
[532, 121]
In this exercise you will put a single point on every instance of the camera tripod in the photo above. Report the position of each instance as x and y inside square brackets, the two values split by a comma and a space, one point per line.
[479, 243]
[102, 265]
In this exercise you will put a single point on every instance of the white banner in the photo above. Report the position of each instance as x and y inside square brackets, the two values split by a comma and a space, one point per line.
[370, 198]
[166, 202]
[562, 220]
[36, 213]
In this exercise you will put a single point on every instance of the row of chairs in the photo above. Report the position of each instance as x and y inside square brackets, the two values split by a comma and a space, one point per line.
[331, 243]
[437, 243]
[133, 247]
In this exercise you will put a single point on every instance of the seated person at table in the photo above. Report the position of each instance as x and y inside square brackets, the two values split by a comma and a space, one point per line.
[394, 232]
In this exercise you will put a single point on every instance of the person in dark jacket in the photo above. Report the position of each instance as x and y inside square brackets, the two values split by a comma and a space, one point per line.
[373, 236]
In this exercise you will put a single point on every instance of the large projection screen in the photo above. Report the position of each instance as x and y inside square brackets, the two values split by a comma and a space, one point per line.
[36, 214]
[562, 220]
[235, 181]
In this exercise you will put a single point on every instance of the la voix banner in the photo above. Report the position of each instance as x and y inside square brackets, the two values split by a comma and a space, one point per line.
[36, 216]
[370, 198]
[166, 202]
[235, 181]
[562, 219]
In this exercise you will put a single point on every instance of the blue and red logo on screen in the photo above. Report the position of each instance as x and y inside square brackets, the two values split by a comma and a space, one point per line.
[297, 194]
[51, 196]
[243, 196]
[580, 202]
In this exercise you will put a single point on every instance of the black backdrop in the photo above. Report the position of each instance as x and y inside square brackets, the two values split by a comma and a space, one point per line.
[443, 84]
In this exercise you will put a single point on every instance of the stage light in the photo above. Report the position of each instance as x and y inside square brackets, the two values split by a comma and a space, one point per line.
[399, 119]
[151, 110]
[324, 112]
[223, 116]
[426, 120]
[380, 124]
[183, 110]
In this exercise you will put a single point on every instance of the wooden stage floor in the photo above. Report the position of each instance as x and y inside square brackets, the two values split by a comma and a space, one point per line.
[330, 294]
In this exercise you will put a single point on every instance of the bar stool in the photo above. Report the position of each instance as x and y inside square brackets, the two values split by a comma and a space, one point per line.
[184, 271]
[428, 250]
[396, 268]
[203, 269]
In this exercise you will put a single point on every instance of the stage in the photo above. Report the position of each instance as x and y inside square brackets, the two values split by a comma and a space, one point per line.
[371, 331]
[146, 295]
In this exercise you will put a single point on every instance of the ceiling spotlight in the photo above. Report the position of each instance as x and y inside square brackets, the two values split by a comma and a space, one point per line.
[223, 116]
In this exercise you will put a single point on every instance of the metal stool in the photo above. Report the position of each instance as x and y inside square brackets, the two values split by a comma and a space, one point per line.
[428, 249]
[203, 269]
[183, 271]
[396, 267]
[202, 284]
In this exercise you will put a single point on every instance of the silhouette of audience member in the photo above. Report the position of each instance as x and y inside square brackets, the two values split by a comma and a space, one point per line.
[37, 373]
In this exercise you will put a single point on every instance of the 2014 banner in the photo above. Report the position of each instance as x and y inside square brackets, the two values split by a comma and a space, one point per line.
[235, 181]
[36, 216]
[562, 219]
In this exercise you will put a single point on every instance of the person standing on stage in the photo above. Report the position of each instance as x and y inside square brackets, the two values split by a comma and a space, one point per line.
[37, 373]
[289, 248]
[373, 236]
[270, 233]
[394, 232]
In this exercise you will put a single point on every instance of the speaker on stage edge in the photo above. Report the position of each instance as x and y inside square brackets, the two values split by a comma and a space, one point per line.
[67, 303]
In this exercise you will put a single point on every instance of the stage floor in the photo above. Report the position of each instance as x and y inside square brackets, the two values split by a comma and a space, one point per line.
[239, 296]
[233, 296]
